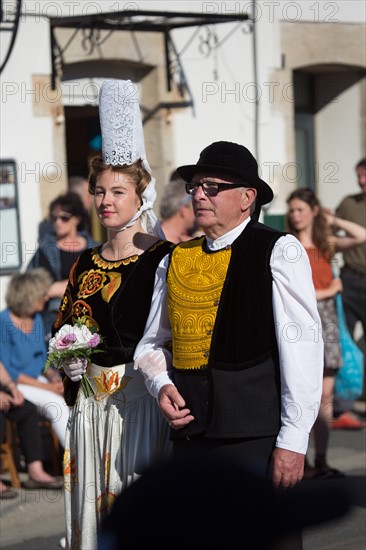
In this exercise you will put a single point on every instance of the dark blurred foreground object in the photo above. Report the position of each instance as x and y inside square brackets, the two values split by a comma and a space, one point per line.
[213, 503]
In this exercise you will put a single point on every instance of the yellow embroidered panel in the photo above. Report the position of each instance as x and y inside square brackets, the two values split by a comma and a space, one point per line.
[195, 281]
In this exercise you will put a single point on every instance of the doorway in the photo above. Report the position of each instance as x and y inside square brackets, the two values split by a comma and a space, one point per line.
[83, 142]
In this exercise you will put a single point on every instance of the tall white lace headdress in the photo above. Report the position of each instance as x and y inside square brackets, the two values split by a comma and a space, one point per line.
[123, 141]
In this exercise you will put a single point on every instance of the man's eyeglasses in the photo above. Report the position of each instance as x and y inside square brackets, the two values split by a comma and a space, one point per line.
[62, 217]
[210, 188]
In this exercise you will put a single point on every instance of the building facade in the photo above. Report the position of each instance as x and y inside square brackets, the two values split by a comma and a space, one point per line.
[286, 79]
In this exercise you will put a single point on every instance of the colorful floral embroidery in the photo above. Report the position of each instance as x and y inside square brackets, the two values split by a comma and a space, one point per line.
[106, 384]
[72, 271]
[88, 321]
[106, 264]
[80, 309]
[58, 321]
[107, 468]
[70, 472]
[65, 302]
[105, 501]
[94, 280]
[91, 282]
[64, 309]
[120, 395]
[114, 284]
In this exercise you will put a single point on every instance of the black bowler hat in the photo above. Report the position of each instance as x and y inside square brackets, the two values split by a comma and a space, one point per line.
[226, 158]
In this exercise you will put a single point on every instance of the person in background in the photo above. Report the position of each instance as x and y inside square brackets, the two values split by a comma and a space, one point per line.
[80, 186]
[233, 302]
[15, 408]
[58, 250]
[113, 435]
[353, 276]
[176, 212]
[23, 349]
[312, 225]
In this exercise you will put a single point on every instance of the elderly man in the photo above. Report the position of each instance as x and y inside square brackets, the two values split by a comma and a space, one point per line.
[239, 306]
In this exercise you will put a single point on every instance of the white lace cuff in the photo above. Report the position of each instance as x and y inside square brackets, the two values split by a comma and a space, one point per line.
[154, 367]
[155, 385]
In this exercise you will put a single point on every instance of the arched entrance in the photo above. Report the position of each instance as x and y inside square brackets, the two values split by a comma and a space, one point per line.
[315, 87]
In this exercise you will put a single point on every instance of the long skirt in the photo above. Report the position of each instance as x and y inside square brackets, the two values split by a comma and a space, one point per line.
[332, 350]
[111, 438]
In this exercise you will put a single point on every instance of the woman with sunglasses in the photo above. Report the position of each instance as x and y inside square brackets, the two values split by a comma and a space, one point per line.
[59, 249]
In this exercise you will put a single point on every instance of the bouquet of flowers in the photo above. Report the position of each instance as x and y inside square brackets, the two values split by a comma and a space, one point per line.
[73, 342]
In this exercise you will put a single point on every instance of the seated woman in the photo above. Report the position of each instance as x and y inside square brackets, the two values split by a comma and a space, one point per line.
[23, 351]
[14, 407]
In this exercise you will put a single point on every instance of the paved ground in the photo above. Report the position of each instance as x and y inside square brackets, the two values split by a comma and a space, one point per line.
[347, 453]
[35, 520]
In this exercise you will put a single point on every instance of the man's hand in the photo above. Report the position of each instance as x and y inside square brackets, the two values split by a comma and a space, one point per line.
[171, 404]
[287, 468]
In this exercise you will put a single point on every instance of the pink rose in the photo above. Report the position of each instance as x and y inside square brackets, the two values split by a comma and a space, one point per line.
[65, 341]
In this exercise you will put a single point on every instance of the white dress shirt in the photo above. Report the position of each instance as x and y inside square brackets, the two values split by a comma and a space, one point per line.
[298, 333]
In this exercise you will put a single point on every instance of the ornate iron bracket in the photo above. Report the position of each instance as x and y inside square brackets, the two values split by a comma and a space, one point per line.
[140, 21]
[9, 22]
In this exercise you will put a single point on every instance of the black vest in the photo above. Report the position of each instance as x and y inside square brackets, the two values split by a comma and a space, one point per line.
[238, 395]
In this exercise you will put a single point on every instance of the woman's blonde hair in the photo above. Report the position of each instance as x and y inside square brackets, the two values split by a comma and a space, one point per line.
[140, 176]
[25, 289]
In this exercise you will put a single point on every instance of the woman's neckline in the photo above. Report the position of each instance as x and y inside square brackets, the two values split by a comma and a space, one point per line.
[138, 253]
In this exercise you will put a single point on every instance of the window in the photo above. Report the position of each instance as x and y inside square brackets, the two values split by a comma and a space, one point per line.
[10, 257]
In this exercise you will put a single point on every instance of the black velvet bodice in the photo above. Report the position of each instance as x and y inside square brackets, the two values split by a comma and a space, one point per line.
[114, 298]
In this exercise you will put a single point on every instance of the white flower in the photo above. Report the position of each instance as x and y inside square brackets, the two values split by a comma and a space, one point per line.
[73, 343]
[70, 338]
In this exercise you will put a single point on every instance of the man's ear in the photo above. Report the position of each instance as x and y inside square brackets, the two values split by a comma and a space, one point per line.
[248, 196]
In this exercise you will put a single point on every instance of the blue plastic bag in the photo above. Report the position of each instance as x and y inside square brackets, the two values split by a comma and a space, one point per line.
[349, 379]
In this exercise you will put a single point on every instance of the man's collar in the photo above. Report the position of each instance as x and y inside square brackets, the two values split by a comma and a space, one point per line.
[228, 238]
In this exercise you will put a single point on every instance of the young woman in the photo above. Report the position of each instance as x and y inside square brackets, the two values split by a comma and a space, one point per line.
[113, 435]
[314, 226]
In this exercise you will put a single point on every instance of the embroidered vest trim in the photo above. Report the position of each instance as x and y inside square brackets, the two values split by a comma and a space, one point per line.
[195, 281]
